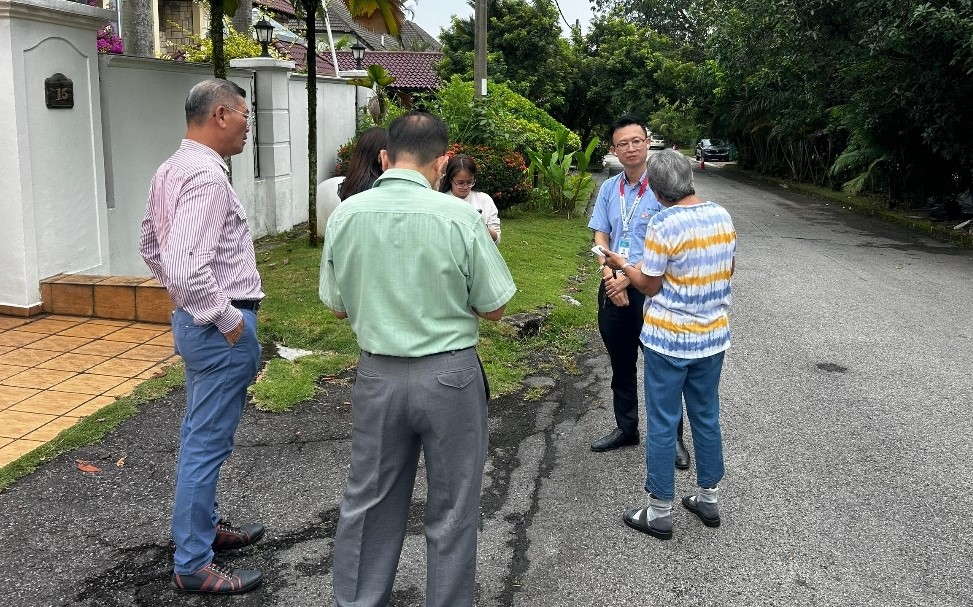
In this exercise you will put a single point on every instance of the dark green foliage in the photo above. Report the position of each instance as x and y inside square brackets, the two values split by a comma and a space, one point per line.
[502, 118]
[873, 95]
[526, 51]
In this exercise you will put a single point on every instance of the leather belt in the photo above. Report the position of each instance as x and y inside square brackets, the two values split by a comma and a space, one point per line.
[246, 304]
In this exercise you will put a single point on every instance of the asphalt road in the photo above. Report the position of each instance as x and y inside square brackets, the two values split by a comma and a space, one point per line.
[847, 435]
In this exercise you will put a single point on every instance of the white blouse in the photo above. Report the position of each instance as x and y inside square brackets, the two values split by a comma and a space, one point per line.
[483, 203]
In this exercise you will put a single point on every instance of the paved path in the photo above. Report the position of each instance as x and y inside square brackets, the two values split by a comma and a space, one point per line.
[56, 370]
[847, 428]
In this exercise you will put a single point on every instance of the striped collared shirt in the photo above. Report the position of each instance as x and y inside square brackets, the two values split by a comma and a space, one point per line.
[692, 248]
[195, 237]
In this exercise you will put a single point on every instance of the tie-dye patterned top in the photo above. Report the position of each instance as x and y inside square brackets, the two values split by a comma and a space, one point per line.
[692, 248]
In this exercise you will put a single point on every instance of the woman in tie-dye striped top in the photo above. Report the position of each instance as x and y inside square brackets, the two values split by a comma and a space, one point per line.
[686, 268]
[692, 247]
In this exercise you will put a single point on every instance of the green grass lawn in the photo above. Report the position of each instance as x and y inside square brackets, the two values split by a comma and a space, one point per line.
[547, 256]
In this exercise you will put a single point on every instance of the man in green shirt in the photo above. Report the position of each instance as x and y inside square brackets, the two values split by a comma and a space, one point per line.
[412, 269]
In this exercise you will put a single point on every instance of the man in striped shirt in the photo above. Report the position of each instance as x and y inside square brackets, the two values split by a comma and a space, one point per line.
[687, 263]
[196, 242]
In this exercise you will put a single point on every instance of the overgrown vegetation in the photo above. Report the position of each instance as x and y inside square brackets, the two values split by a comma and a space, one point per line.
[236, 45]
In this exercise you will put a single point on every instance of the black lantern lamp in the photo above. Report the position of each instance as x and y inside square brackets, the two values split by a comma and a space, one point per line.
[358, 52]
[265, 32]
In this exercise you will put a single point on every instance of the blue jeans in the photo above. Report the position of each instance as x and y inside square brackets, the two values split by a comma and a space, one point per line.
[667, 381]
[217, 376]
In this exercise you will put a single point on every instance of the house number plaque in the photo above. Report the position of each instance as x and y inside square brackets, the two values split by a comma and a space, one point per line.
[59, 92]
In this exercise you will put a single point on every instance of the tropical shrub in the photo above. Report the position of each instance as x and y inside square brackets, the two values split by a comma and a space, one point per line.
[236, 45]
[564, 189]
[500, 173]
[502, 118]
[109, 42]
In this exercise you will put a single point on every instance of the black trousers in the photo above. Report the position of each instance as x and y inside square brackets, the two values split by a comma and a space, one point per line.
[620, 327]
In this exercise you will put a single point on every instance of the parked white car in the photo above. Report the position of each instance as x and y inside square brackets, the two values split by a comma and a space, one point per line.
[656, 142]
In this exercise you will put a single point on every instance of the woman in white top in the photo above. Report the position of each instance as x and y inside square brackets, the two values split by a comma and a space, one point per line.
[459, 179]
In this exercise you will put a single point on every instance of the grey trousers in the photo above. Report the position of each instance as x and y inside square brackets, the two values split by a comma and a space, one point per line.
[399, 405]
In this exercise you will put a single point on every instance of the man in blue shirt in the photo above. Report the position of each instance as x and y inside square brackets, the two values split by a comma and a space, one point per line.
[623, 209]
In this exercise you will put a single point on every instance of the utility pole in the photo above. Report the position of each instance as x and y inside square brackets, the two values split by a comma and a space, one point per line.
[480, 50]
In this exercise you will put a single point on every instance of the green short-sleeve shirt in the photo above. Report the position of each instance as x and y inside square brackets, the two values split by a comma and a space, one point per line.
[408, 265]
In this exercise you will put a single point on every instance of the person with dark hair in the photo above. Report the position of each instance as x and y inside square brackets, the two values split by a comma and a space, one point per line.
[689, 258]
[196, 242]
[622, 211]
[365, 165]
[459, 179]
[413, 271]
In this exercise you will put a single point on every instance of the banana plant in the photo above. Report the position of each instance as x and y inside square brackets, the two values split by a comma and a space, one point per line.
[553, 169]
[377, 79]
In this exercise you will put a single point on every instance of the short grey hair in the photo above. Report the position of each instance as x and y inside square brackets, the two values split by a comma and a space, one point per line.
[670, 176]
[208, 94]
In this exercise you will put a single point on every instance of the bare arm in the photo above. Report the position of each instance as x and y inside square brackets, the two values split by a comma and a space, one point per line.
[494, 315]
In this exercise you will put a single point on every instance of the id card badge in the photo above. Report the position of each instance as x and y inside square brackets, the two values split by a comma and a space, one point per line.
[624, 244]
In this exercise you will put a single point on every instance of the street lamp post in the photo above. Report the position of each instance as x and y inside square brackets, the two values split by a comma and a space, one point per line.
[265, 32]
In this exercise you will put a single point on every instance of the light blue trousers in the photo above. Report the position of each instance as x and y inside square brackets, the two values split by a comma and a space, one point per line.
[217, 376]
[667, 381]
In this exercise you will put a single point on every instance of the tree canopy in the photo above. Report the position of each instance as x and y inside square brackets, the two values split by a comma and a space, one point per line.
[871, 95]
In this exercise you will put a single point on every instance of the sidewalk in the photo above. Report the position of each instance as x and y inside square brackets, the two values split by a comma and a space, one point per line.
[55, 370]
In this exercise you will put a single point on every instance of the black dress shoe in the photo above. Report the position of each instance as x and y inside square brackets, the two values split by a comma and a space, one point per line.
[229, 537]
[615, 439]
[217, 578]
[682, 455]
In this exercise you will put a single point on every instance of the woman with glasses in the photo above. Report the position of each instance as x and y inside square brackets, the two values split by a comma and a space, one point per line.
[459, 179]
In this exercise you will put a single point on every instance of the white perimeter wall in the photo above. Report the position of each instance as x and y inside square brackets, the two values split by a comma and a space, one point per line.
[52, 198]
[336, 125]
[144, 120]
[143, 112]
[74, 182]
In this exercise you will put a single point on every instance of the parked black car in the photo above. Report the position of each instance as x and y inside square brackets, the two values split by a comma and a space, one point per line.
[713, 149]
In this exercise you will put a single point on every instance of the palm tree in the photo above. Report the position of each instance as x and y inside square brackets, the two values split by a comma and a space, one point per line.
[384, 16]
[242, 18]
[137, 27]
[217, 10]
[378, 80]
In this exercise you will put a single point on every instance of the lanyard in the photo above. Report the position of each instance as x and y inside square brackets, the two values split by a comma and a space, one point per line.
[627, 214]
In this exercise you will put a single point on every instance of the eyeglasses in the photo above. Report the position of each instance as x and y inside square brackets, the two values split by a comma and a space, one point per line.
[633, 143]
[246, 115]
[464, 184]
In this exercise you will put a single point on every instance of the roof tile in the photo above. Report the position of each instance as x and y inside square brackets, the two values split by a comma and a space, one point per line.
[413, 70]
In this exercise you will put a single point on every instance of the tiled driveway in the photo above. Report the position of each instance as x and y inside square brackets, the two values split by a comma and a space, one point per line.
[55, 370]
